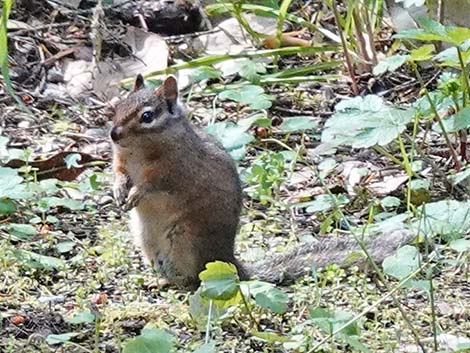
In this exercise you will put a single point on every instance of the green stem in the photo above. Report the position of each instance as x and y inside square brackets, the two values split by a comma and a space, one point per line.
[248, 310]
[466, 84]
[457, 163]
[208, 325]
[345, 49]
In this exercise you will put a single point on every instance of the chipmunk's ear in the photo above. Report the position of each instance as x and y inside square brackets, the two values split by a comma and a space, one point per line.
[169, 91]
[138, 83]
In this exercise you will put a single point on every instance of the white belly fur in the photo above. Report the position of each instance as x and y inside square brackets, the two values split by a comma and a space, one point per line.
[149, 223]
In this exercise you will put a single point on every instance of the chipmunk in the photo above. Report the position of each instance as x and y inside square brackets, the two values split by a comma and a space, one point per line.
[184, 195]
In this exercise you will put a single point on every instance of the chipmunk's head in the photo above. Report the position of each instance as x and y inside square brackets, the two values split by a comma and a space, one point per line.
[146, 111]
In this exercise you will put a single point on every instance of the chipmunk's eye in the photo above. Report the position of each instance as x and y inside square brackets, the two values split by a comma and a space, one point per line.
[147, 117]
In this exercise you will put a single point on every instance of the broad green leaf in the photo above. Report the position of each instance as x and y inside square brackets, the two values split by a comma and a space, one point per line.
[7, 206]
[369, 122]
[455, 122]
[354, 342]
[206, 348]
[460, 245]
[390, 201]
[63, 202]
[299, 123]
[251, 70]
[65, 246]
[22, 231]
[62, 338]
[199, 307]
[39, 261]
[420, 184]
[274, 300]
[421, 285]
[150, 341]
[268, 296]
[11, 184]
[71, 160]
[390, 64]
[459, 177]
[219, 281]
[406, 260]
[441, 102]
[330, 321]
[434, 31]
[324, 203]
[85, 317]
[444, 217]
[204, 73]
[232, 136]
[423, 53]
[251, 95]
[271, 337]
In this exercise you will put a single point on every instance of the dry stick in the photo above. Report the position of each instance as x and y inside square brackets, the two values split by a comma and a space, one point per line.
[345, 50]
[360, 38]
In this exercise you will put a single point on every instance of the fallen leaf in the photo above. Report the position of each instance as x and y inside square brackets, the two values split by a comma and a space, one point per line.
[56, 166]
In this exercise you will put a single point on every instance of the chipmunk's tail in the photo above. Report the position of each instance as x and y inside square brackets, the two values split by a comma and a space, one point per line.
[285, 268]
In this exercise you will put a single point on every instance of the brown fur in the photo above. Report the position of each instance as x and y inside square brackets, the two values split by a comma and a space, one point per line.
[185, 196]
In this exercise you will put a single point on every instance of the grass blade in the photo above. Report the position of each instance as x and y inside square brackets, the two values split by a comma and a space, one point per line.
[7, 5]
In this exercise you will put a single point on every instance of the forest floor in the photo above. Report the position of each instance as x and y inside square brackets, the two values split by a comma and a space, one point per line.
[73, 281]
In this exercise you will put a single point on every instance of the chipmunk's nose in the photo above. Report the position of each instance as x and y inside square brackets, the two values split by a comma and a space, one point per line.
[115, 133]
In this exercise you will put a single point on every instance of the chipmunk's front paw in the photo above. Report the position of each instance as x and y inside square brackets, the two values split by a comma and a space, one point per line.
[136, 194]
[120, 191]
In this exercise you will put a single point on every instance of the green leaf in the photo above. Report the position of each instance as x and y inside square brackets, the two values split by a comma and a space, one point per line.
[71, 160]
[324, 202]
[65, 246]
[421, 285]
[11, 184]
[328, 322]
[251, 95]
[423, 53]
[150, 341]
[39, 261]
[354, 342]
[390, 202]
[459, 177]
[219, 281]
[420, 184]
[204, 73]
[71, 204]
[446, 217]
[295, 124]
[390, 64]
[455, 122]
[271, 337]
[251, 70]
[460, 245]
[403, 263]
[62, 338]
[434, 31]
[206, 348]
[85, 317]
[268, 296]
[7, 207]
[22, 231]
[369, 122]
